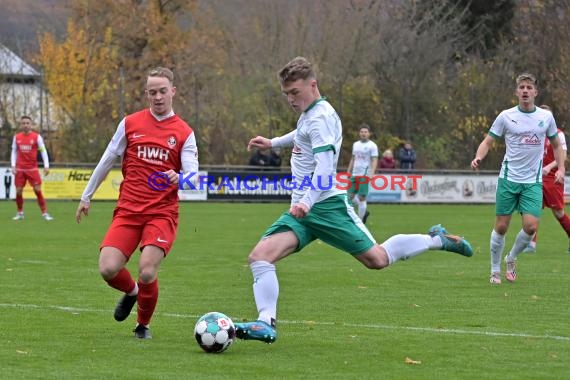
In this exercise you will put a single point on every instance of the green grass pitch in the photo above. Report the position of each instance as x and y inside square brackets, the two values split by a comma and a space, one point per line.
[433, 317]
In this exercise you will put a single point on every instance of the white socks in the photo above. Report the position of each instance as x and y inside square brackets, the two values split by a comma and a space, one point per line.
[265, 289]
[497, 245]
[362, 209]
[356, 201]
[404, 247]
[521, 241]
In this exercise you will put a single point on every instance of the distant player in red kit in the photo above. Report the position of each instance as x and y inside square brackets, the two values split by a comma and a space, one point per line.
[156, 145]
[552, 193]
[25, 148]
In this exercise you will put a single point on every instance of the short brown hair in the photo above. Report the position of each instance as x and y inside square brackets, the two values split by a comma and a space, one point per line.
[528, 77]
[161, 72]
[298, 68]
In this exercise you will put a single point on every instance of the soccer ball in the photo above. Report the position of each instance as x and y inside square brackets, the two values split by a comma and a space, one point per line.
[215, 332]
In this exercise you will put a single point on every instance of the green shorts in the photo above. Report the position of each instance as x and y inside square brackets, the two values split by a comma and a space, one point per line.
[360, 188]
[333, 221]
[525, 198]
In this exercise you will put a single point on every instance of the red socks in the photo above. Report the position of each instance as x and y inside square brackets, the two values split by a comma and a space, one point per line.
[565, 223]
[123, 281]
[146, 301]
[20, 202]
[146, 298]
[41, 201]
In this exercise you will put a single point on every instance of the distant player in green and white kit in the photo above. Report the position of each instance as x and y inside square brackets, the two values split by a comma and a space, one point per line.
[363, 163]
[524, 129]
[319, 209]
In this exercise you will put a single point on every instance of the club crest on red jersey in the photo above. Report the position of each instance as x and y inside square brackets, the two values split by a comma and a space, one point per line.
[171, 141]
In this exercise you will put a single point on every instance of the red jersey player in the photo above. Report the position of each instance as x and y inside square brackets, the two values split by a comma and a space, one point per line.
[155, 145]
[25, 148]
[552, 192]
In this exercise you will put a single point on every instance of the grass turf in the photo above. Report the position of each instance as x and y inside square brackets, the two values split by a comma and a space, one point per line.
[432, 317]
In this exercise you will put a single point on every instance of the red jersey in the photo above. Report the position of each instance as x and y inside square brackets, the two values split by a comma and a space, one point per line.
[152, 146]
[27, 146]
[549, 155]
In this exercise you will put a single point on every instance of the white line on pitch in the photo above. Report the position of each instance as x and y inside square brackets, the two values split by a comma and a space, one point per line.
[347, 324]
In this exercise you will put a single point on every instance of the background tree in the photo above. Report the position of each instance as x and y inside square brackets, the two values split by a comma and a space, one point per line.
[80, 76]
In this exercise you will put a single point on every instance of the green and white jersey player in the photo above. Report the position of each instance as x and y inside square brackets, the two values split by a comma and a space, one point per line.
[319, 130]
[524, 129]
[319, 211]
[363, 163]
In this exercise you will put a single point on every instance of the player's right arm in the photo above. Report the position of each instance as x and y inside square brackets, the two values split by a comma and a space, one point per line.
[482, 151]
[13, 155]
[115, 149]
[351, 163]
[276, 142]
[284, 141]
[496, 131]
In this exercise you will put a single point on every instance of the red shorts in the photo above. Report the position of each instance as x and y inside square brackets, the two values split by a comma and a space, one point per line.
[553, 195]
[30, 175]
[129, 231]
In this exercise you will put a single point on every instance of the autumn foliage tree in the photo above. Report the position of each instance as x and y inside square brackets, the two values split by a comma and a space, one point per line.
[80, 75]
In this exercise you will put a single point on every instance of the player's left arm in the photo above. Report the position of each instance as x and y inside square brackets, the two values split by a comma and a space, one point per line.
[374, 160]
[43, 151]
[548, 168]
[190, 165]
[559, 151]
[560, 156]
[373, 166]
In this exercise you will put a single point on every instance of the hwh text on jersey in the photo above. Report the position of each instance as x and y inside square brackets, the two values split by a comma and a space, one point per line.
[153, 154]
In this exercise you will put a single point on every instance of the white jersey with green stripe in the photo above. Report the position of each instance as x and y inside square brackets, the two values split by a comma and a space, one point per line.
[362, 154]
[318, 129]
[525, 134]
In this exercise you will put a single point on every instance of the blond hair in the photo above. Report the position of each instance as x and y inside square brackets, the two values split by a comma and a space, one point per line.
[527, 77]
[162, 72]
[298, 68]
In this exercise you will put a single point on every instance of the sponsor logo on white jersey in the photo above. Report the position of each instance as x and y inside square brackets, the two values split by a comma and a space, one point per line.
[531, 140]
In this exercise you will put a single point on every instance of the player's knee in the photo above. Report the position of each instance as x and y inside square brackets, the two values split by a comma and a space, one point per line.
[501, 229]
[376, 258]
[530, 230]
[377, 265]
[256, 255]
[107, 272]
[147, 275]
[273, 248]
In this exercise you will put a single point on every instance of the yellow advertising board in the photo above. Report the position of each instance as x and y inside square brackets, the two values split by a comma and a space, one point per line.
[70, 183]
